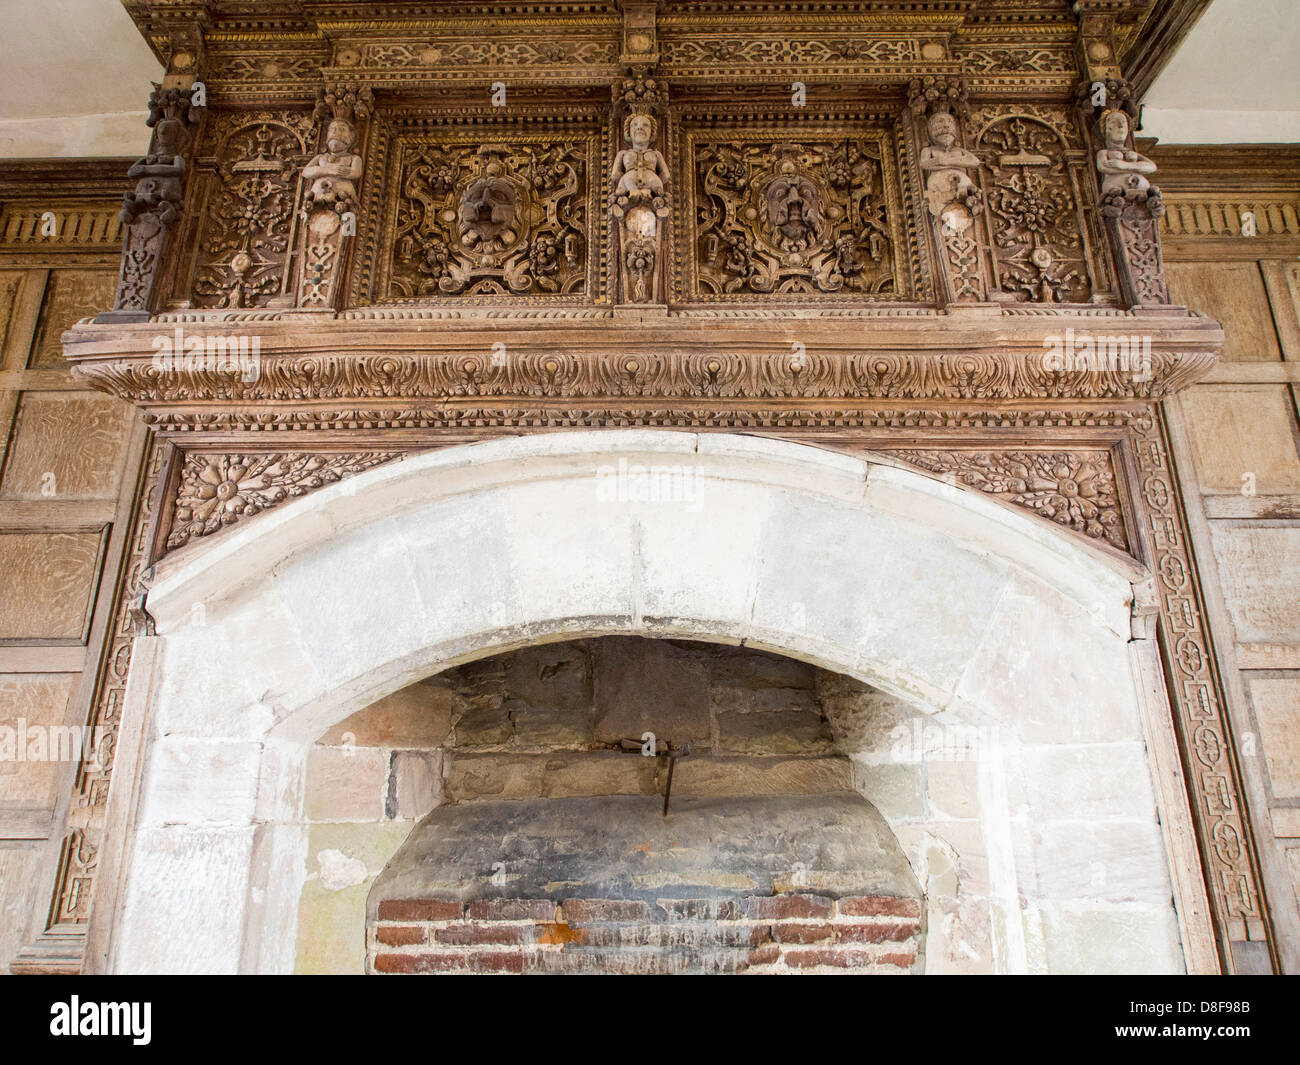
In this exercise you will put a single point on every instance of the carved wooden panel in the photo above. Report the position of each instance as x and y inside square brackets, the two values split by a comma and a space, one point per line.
[1075, 489]
[70, 295]
[30, 772]
[249, 166]
[49, 585]
[219, 490]
[1033, 161]
[67, 445]
[793, 214]
[480, 215]
[9, 282]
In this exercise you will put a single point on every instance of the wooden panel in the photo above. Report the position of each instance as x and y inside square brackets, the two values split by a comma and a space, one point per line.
[1259, 567]
[70, 295]
[1277, 712]
[66, 446]
[31, 707]
[49, 584]
[1234, 294]
[21, 891]
[1237, 430]
[9, 282]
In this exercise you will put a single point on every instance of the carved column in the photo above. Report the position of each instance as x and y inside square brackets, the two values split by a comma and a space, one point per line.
[150, 211]
[328, 211]
[953, 199]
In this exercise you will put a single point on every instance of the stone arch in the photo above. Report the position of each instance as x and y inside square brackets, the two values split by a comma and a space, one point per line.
[283, 626]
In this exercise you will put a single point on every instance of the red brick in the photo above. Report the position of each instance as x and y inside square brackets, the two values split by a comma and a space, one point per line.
[788, 932]
[399, 935]
[478, 961]
[764, 955]
[876, 932]
[702, 909]
[474, 934]
[782, 907]
[903, 961]
[511, 910]
[807, 957]
[419, 910]
[604, 910]
[879, 906]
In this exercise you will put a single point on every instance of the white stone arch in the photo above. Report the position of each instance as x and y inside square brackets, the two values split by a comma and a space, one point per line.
[287, 624]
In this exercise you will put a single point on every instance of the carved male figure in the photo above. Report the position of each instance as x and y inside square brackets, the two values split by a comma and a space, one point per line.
[159, 175]
[946, 164]
[334, 173]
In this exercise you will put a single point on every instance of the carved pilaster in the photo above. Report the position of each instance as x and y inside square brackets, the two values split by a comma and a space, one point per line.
[640, 191]
[328, 214]
[150, 211]
[953, 198]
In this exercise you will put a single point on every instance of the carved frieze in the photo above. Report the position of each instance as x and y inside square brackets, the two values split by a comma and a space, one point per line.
[498, 214]
[219, 490]
[251, 186]
[793, 214]
[1072, 488]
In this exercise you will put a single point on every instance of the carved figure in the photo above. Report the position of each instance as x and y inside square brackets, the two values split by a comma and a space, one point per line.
[640, 174]
[160, 176]
[793, 210]
[333, 174]
[1124, 170]
[946, 164]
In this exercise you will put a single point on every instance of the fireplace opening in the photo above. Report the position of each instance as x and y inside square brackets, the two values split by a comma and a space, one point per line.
[615, 804]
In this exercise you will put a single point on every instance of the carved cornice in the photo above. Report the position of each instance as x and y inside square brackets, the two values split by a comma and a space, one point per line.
[268, 364]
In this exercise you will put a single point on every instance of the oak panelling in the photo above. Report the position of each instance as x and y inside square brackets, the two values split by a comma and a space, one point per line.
[70, 295]
[1244, 429]
[49, 584]
[31, 706]
[1276, 701]
[21, 889]
[66, 446]
[1259, 566]
[1234, 294]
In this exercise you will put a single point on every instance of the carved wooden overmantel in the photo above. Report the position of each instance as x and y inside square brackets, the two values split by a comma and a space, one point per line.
[881, 228]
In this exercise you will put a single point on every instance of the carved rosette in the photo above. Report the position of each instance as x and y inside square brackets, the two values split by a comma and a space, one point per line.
[220, 490]
[152, 209]
[1075, 489]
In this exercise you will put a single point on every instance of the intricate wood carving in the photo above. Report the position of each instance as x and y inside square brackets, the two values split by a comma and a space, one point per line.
[640, 193]
[1039, 240]
[150, 212]
[793, 214]
[248, 225]
[495, 218]
[220, 490]
[1072, 488]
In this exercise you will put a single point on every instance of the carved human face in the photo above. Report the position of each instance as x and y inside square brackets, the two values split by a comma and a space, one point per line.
[640, 131]
[1114, 129]
[943, 130]
[170, 134]
[338, 138]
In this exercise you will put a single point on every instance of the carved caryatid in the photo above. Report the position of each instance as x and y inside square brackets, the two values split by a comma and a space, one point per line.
[151, 210]
[1131, 207]
[329, 203]
[639, 198]
[951, 193]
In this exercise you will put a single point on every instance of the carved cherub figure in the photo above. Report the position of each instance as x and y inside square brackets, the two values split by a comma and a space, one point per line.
[640, 174]
[946, 164]
[1124, 170]
[159, 175]
[333, 174]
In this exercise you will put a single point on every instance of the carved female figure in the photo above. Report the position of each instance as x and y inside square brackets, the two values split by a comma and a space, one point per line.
[1124, 171]
[640, 174]
[159, 175]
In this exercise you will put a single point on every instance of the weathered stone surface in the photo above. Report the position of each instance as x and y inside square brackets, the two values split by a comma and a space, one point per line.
[622, 848]
[550, 726]
[418, 715]
[649, 685]
[346, 783]
[415, 784]
[774, 732]
[484, 728]
[554, 675]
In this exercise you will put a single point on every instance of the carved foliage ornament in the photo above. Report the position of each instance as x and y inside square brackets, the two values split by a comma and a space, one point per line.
[1072, 488]
[219, 490]
[790, 218]
[491, 219]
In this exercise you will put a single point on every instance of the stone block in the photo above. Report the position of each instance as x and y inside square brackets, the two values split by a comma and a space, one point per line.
[346, 784]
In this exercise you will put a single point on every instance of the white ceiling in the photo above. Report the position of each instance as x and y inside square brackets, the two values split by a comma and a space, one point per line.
[75, 74]
[1235, 80]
